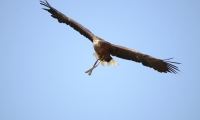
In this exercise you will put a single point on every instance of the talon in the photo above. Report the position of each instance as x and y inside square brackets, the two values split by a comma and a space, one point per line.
[90, 70]
[94, 66]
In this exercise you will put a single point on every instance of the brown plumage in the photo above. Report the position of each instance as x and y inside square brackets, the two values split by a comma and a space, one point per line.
[104, 49]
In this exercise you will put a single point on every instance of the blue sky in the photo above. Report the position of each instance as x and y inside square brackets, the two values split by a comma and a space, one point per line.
[43, 62]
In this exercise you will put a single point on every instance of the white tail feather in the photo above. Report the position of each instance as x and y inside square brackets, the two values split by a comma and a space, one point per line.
[96, 55]
[102, 63]
[112, 61]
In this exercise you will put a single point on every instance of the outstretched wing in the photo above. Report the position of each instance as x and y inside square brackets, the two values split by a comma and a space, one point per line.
[64, 19]
[157, 64]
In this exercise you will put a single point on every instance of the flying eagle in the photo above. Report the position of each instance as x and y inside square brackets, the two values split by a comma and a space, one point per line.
[104, 49]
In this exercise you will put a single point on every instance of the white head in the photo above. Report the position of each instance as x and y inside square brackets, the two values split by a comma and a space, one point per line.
[96, 42]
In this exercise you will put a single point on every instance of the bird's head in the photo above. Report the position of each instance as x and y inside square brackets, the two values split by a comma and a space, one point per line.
[96, 42]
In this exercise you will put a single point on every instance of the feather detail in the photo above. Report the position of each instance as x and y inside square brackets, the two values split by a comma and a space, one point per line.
[112, 62]
[96, 55]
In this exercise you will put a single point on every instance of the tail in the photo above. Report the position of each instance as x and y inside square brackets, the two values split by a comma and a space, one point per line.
[111, 62]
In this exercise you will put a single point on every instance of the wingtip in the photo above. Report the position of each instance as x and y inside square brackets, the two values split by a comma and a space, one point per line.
[45, 3]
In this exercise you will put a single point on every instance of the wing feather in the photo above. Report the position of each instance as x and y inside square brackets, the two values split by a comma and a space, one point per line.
[64, 19]
[157, 64]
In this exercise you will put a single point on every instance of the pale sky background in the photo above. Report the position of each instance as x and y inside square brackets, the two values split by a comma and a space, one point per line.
[43, 62]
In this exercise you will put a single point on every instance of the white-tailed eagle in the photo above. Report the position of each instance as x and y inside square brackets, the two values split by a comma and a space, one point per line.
[104, 49]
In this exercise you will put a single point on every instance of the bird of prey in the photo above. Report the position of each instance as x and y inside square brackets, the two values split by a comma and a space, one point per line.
[104, 49]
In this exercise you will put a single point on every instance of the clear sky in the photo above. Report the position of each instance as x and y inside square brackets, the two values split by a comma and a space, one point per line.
[43, 62]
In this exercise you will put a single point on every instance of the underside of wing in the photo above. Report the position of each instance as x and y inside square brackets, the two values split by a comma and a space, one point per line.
[157, 64]
[64, 19]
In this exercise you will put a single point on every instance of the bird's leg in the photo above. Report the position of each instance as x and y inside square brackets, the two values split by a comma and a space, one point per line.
[94, 66]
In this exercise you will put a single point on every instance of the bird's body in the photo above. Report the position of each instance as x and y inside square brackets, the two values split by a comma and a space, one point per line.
[104, 49]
